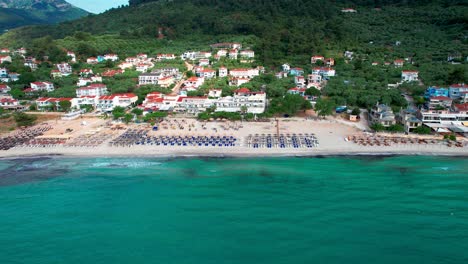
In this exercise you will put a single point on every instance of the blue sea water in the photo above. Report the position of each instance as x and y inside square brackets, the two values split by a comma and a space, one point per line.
[262, 210]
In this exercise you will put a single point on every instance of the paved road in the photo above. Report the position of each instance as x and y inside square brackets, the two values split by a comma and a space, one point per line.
[179, 84]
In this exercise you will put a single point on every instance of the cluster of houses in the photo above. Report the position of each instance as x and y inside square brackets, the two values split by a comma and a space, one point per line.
[440, 112]
[229, 50]
[95, 95]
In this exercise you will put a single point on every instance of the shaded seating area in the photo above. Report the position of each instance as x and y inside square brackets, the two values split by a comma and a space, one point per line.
[282, 140]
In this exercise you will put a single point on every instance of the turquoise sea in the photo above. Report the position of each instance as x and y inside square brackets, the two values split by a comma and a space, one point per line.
[227, 210]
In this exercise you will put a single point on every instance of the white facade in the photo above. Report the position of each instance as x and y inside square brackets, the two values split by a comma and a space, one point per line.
[109, 102]
[92, 90]
[42, 86]
[244, 73]
[5, 58]
[111, 57]
[223, 72]
[255, 102]
[409, 76]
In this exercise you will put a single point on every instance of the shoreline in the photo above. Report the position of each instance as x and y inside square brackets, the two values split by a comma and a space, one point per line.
[213, 153]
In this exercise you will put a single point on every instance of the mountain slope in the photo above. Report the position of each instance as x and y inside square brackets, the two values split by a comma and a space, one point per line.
[282, 29]
[15, 13]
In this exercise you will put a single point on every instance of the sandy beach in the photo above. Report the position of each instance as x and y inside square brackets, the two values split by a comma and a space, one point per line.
[92, 137]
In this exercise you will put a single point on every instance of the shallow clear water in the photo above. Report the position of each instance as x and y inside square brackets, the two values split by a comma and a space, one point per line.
[269, 210]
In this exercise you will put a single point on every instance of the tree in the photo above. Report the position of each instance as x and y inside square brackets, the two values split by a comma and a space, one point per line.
[137, 111]
[377, 127]
[356, 111]
[23, 119]
[118, 112]
[312, 91]
[127, 118]
[422, 130]
[396, 128]
[65, 105]
[324, 107]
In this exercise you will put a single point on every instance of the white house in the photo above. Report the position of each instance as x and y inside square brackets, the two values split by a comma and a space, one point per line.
[398, 63]
[215, 93]
[316, 58]
[348, 10]
[44, 103]
[223, 72]
[204, 62]
[95, 89]
[314, 79]
[207, 73]
[42, 86]
[143, 67]
[244, 73]
[193, 104]
[247, 54]
[165, 57]
[9, 103]
[4, 89]
[5, 58]
[92, 60]
[148, 78]
[72, 56]
[194, 82]
[233, 54]
[85, 81]
[286, 67]
[299, 81]
[111, 57]
[107, 103]
[86, 72]
[254, 102]
[222, 53]
[325, 72]
[238, 81]
[409, 76]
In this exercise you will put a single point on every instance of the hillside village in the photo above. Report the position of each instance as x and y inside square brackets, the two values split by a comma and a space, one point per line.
[223, 81]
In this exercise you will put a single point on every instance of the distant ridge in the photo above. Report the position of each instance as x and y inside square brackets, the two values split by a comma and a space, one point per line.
[16, 13]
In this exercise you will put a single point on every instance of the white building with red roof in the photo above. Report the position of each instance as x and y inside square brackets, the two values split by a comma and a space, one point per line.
[4, 89]
[5, 58]
[440, 101]
[398, 63]
[107, 103]
[316, 58]
[238, 81]
[4, 50]
[45, 103]
[207, 73]
[92, 60]
[95, 89]
[325, 72]
[9, 103]
[193, 104]
[42, 86]
[297, 90]
[193, 83]
[410, 76]
[86, 72]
